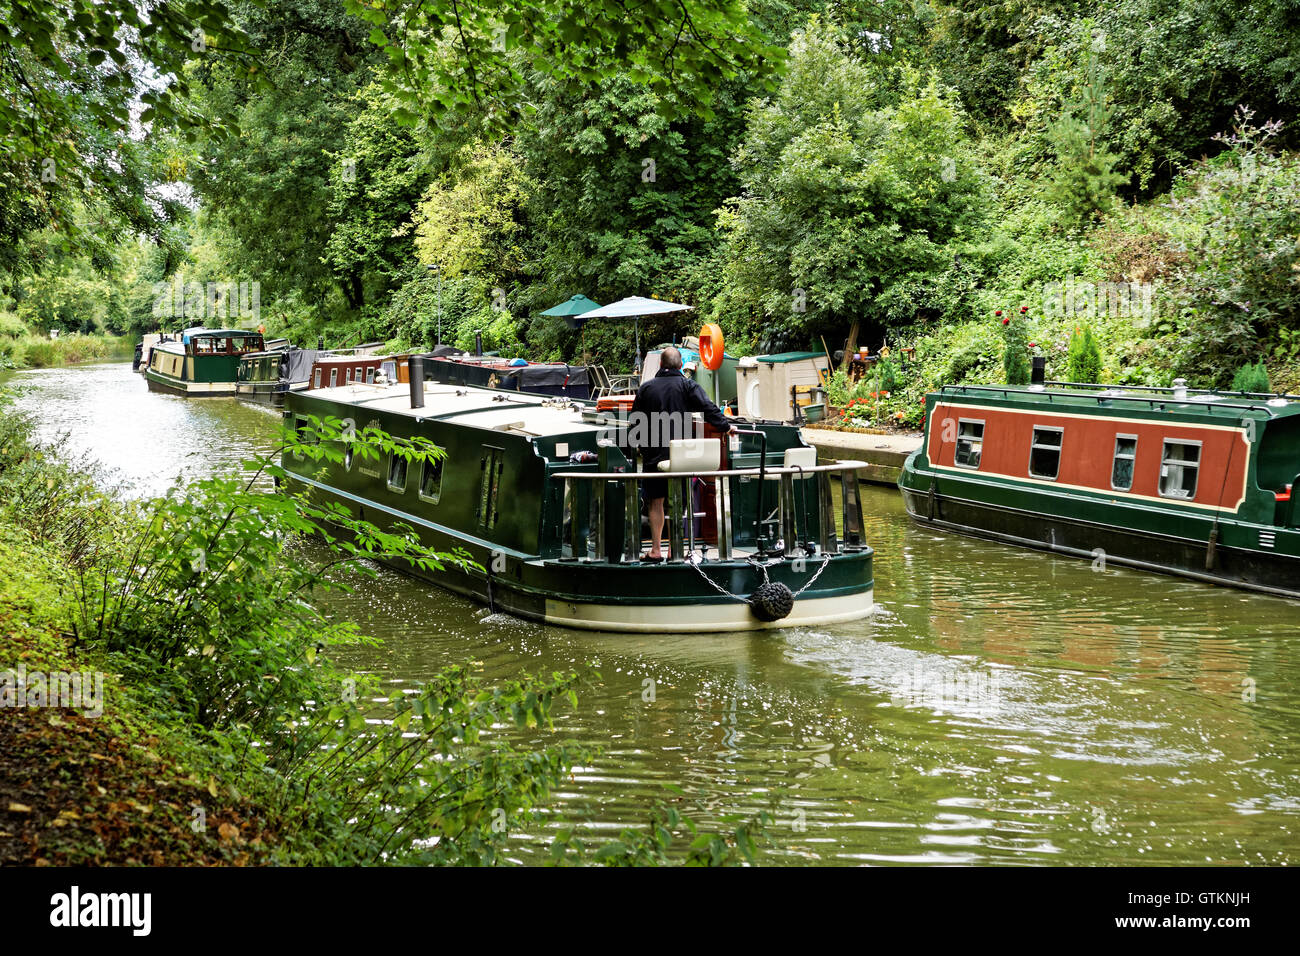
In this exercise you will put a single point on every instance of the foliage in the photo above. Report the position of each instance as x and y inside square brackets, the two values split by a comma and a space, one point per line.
[1085, 362]
[1015, 351]
[450, 60]
[1084, 178]
[470, 222]
[1237, 219]
[1251, 378]
[846, 194]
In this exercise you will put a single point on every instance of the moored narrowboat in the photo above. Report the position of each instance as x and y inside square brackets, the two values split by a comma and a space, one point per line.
[200, 362]
[1177, 481]
[514, 375]
[543, 494]
[265, 377]
[347, 366]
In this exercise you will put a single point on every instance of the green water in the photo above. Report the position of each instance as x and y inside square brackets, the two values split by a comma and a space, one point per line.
[1001, 707]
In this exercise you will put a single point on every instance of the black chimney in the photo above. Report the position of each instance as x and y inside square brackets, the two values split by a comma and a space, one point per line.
[1039, 374]
[415, 368]
[478, 341]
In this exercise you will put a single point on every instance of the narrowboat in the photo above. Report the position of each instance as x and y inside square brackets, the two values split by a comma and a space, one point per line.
[200, 362]
[544, 496]
[344, 367]
[1178, 481]
[515, 375]
[265, 377]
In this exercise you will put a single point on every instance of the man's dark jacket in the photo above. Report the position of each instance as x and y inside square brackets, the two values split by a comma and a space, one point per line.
[673, 393]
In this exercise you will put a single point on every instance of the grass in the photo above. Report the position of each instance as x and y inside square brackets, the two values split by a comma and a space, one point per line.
[35, 351]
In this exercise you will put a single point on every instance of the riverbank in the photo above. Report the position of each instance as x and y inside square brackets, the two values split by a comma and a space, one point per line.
[36, 351]
[171, 699]
[88, 776]
[884, 454]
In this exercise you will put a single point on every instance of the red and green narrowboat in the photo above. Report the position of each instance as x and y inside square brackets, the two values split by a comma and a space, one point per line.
[200, 362]
[1178, 481]
[544, 495]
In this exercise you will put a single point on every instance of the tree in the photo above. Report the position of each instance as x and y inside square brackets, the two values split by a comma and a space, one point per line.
[1084, 179]
[1252, 378]
[1084, 355]
[1015, 351]
[378, 176]
[846, 193]
[450, 60]
[1236, 218]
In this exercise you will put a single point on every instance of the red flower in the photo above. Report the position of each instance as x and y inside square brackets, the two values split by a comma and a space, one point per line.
[1033, 345]
[998, 312]
[1024, 309]
[1006, 321]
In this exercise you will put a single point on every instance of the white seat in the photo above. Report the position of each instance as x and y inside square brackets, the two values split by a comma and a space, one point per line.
[800, 457]
[693, 454]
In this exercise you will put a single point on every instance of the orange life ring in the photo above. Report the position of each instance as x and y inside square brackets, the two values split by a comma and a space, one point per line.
[711, 346]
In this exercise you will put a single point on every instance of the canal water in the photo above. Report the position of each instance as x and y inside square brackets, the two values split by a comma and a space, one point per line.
[1001, 707]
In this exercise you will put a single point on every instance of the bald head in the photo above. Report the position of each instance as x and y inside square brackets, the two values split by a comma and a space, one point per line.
[670, 358]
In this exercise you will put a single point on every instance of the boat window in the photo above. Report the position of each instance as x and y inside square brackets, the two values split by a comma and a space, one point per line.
[1179, 463]
[349, 371]
[334, 377]
[370, 375]
[358, 375]
[489, 485]
[396, 473]
[1045, 453]
[431, 480]
[1121, 472]
[316, 384]
[302, 432]
[970, 442]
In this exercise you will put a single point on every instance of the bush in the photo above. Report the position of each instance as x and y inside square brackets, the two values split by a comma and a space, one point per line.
[1084, 362]
[1251, 378]
[1015, 352]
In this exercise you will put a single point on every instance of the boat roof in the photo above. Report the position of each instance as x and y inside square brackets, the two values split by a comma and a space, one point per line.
[199, 331]
[1155, 402]
[487, 408]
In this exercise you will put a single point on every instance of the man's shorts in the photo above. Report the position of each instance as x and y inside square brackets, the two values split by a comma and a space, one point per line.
[653, 488]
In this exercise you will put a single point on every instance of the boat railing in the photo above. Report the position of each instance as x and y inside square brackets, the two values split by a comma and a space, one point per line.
[801, 531]
[1164, 396]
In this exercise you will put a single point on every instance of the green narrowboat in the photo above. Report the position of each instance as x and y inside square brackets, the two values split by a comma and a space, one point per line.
[544, 495]
[200, 362]
[266, 377]
[1178, 481]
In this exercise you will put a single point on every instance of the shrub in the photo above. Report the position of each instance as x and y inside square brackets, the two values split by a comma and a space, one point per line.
[1251, 378]
[1084, 361]
[1015, 352]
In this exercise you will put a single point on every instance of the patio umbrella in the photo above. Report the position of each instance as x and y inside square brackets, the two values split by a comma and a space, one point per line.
[573, 310]
[633, 308]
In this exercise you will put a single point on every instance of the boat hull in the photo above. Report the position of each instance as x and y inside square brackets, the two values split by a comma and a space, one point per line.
[1105, 536]
[669, 597]
[172, 386]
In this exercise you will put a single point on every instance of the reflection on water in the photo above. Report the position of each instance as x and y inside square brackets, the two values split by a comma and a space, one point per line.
[145, 439]
[1000, 707]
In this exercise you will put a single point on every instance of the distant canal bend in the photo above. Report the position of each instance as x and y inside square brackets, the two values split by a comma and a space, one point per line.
[1001, 707]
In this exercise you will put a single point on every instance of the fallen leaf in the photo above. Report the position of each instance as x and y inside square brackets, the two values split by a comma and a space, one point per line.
[19, 808]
